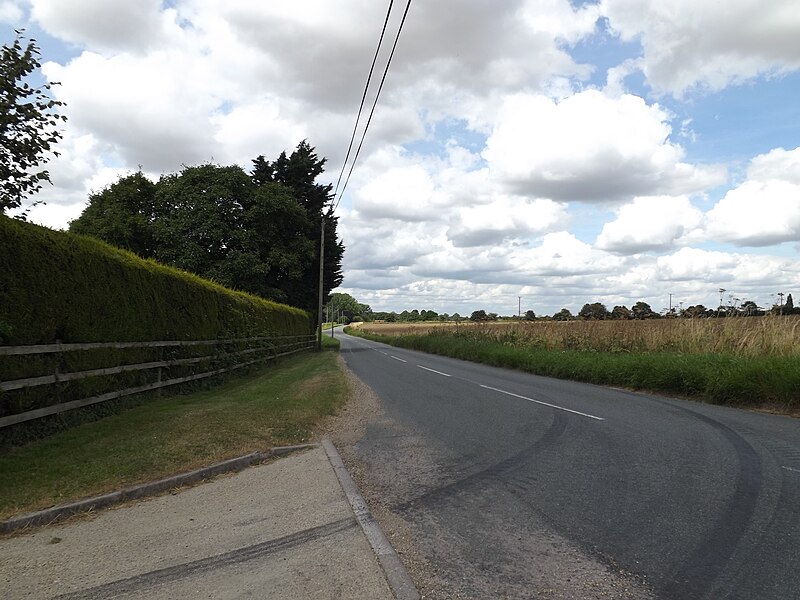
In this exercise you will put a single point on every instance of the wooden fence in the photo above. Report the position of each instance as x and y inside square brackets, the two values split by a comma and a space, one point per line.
[257, 349]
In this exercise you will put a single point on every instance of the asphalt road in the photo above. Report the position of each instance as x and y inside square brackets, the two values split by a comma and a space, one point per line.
[520, 486]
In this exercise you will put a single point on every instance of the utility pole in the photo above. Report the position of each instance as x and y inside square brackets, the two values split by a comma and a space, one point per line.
[321, 271]
[519, 308]
[670, 304]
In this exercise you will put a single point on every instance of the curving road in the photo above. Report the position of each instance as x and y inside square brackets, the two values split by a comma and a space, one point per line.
[520, 486]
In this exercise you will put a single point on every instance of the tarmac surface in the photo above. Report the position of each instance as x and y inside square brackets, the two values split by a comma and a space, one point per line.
[284, 529]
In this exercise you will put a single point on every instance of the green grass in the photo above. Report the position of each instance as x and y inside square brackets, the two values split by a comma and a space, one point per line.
[759, 382]
[278, 405]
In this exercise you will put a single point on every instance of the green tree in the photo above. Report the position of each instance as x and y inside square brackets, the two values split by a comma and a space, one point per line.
[299, 172]
[642, 310]
[28, 124]
[345, 303]
[621, 313]
[696, 312]
[595, 311]
[563, 315]
[788, 307]
[749, 308]
[479, 316]
[123, 215]
[530, 315]
[215, 222]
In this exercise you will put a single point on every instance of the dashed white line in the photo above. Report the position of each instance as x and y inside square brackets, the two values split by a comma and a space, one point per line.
[792, 469]
[397, 358]
[434, 371]
[543, 403]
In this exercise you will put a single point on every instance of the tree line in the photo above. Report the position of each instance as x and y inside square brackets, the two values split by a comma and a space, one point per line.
[350, 309]
[256, 232]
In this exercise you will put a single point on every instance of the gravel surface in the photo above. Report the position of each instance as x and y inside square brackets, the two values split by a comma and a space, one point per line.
[444, 568]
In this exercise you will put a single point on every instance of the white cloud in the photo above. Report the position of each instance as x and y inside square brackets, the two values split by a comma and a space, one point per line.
[652, 223]
[590, 147]
[11, 12]
[105, 24]
[689, 43]
[765, 209]
[504, 218]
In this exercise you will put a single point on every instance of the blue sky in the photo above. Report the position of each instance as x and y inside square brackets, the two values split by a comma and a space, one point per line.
[609, 151]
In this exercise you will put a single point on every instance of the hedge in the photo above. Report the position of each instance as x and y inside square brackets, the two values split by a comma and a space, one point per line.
[62, 287]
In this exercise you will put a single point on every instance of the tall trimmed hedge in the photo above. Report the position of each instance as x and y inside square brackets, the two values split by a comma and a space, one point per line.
[57, 286]
[60, 286]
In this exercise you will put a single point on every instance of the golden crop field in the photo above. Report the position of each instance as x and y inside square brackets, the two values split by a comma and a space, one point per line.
[743, 336]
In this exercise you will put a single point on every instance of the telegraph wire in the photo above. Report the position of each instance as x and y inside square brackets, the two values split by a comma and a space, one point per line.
[364, 97]
[374, 104]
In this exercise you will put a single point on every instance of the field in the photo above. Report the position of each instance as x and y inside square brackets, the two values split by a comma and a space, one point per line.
[754, 336]
[738, 361]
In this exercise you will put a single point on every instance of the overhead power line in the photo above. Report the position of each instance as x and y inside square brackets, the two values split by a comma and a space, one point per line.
[364, 97]
[374, 104]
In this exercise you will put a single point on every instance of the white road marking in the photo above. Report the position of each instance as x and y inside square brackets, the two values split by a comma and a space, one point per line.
[543, 403]
[396, 358]
[434, 371]
[791, 469]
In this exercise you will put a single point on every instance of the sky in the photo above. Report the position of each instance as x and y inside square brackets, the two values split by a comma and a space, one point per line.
[532, 154]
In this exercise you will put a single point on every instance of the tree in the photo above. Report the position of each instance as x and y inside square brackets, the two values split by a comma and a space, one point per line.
[479, 316]
[642, 310]
[750, 309]
[563, 315]
[596, 311]
[123, 215]
[28, 124]
[345, 303]
[788, 307]
[530, 315]
[299, 172]
[215, 222]
[696, 312]
[621, 313]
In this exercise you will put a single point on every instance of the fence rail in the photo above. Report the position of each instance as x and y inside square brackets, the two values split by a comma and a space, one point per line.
[274, 347]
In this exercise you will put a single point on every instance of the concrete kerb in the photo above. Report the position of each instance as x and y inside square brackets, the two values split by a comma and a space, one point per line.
[57, 513]
[398, 578]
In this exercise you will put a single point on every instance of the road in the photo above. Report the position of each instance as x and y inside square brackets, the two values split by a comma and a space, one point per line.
[519, 486]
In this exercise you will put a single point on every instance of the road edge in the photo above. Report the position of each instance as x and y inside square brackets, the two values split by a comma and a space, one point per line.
[397, 576]
[49, 516]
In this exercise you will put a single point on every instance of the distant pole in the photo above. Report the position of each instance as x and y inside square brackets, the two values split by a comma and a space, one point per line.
[519, 307]
[670, 304]
[321, 271]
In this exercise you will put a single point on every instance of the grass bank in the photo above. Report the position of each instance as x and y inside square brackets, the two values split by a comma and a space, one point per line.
[768, 381]
[277, 405]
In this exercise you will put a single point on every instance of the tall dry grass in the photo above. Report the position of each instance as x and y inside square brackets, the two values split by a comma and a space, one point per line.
[744, 337]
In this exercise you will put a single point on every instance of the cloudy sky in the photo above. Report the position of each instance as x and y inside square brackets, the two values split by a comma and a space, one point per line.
[560, 152]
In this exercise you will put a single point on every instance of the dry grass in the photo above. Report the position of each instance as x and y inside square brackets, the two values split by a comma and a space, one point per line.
[754, 336]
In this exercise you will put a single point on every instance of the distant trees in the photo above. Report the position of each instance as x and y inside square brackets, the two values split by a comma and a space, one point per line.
[621, 313]
[788, 307]
[530, 315]
[348, 307]
[479, 316]
[696, 312]
[642, 310]
[595, 311]
[258, 233]
[29, 122]
[563, 315]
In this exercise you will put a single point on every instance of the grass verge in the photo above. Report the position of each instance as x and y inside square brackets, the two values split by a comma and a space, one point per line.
[756, 382]
[279, 404]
